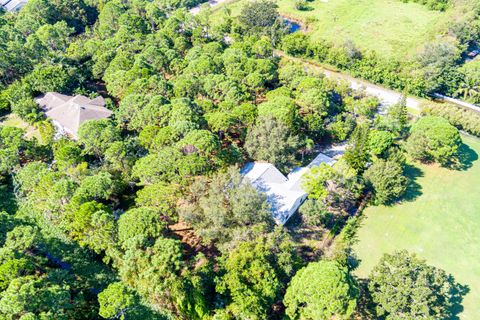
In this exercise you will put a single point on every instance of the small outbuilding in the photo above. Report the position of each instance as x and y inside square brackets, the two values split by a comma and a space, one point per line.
[68, 113]
[284, 193]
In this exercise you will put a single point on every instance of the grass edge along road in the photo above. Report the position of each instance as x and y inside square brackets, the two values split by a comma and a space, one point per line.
[439, 220]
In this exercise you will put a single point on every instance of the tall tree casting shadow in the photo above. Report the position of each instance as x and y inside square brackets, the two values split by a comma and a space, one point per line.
[453, 300]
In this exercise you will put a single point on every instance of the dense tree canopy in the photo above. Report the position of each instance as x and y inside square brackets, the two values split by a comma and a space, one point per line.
[145, 215]
[321, 290]
[433, 139]
[272, 141]
[225, 210]
[386, 180]
[403, 285]
[254, 275]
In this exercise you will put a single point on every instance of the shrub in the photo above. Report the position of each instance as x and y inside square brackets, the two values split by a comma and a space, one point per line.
[462, 118]
[258, 15]
[439, 5]
[321, 290]
[433, 139]
[341, 128]
[295, 44]
[314, 212]
[386, 180]
[365, 65]
[300, 4]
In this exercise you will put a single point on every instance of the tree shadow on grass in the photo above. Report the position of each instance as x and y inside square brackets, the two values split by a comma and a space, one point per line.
[465, 158]
[414, 189]
[457, 293]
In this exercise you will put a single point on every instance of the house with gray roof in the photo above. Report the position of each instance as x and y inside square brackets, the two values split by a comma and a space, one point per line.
[68, 113]
[284, 193]
[13, 5]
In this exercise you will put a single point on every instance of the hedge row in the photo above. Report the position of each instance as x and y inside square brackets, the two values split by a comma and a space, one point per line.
[464, 119]
[366, 65]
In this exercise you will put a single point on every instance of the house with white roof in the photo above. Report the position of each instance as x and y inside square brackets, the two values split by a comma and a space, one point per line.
[284, 193]
[68, 113]
[13, 5]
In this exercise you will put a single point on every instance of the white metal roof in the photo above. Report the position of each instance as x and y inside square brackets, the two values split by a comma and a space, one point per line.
[13, 5]
[258, 172]
[319, 159]
[284, 194]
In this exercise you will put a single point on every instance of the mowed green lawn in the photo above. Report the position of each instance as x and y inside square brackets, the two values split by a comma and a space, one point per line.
[440, 222]
[390, 27]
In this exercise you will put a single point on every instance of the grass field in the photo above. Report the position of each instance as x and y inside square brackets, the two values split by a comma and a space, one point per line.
[439, 220]
[390, 27]
[12, 120]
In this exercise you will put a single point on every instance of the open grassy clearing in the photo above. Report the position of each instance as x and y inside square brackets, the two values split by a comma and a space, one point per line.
[389, 27]
[439, 220]
[12, 120]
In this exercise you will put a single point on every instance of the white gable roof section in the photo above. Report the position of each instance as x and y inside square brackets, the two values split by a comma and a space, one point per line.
[13, 5]
[284, 194]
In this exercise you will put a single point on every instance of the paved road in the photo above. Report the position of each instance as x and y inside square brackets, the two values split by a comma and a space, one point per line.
[386, 96]
[458, 102]
[211, 3]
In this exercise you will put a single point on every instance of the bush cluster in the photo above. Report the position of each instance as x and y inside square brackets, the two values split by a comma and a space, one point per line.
[366, 65]
[464, 119]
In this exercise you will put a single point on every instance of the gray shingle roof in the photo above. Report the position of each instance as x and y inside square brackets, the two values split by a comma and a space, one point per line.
[71, 112]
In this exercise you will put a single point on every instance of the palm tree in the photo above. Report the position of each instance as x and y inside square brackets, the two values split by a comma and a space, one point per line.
[469, 89]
